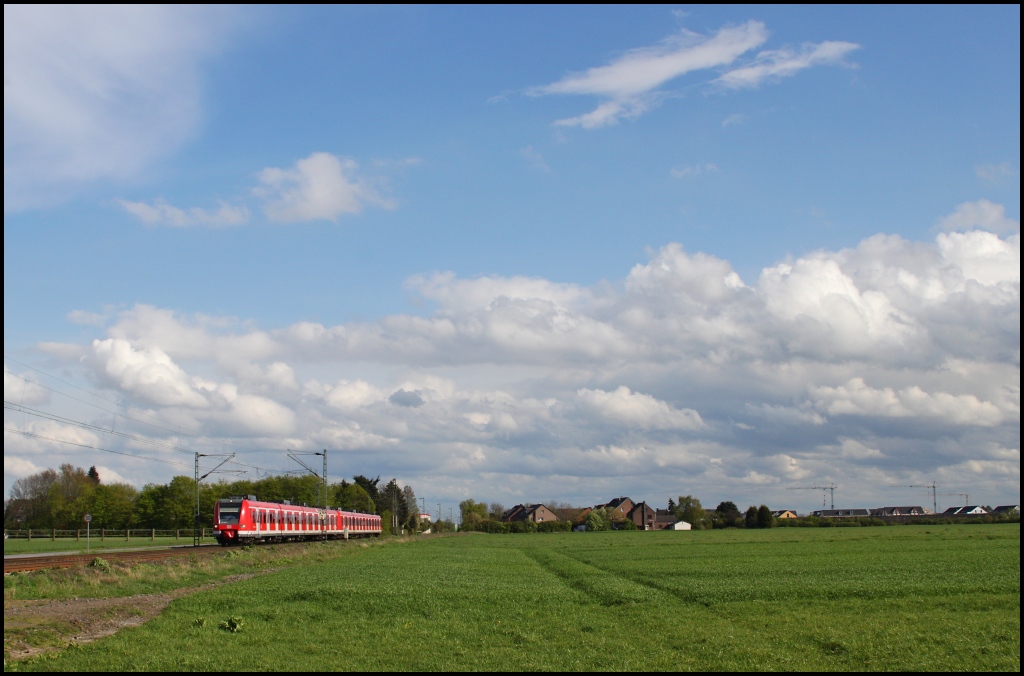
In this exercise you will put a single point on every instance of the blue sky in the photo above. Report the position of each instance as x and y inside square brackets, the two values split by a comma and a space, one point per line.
[517, 217]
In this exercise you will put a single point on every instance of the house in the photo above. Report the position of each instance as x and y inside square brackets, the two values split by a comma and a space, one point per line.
[784, 514]
[841, 513]
[623, 505]
[535, 513]
[967, 510]
[643, 515]
[664, 519]
[424, 517]
[1007, 509]
[901, 511]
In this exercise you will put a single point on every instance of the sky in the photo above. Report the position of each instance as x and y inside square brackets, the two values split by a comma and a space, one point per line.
[520, 254]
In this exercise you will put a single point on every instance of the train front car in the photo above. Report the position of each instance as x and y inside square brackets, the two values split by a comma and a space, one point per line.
[227, 518]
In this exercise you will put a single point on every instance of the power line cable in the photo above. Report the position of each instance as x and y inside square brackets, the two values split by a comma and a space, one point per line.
[95, 448]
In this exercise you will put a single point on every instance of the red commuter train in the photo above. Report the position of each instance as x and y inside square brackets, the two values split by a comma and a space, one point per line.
[242, 519]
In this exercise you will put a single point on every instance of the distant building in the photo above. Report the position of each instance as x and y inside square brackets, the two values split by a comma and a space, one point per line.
[664, 519]
[536, 513]
[967, 510]
[841, 513]
[901, 511]
[1007, 509]
[784, 514]
[425, 517]
[623, 505]
[681, 525]
[644, 516]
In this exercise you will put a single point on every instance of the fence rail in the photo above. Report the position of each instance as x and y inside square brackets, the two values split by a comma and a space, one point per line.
[103, 534]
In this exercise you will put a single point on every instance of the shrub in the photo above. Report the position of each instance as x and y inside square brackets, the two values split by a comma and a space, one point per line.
[554, 526]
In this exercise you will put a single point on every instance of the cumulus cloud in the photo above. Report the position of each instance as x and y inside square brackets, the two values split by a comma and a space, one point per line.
[147, 373]
[855, 397]
[630, 83]
[21, 390]
[888, 362]
[319, 187]
[98, 92]
[981, 214]
[635, 409]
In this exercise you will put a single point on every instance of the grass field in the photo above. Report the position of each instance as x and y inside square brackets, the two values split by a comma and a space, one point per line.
[43, 546]
[914, 597]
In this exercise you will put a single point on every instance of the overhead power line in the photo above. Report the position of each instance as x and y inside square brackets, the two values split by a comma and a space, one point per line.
[95, 448]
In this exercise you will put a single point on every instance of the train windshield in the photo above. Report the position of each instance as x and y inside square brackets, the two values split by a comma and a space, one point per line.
[229, 514]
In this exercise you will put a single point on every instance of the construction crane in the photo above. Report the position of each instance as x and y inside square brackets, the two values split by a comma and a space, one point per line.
[965, 496]
[831, 488]
[932, 488]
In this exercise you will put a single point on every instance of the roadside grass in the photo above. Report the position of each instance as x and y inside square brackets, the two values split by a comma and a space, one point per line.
[46, 545]
[906, 598]
[128, 578]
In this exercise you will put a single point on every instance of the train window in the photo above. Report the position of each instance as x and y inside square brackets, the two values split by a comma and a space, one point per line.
[229, 515]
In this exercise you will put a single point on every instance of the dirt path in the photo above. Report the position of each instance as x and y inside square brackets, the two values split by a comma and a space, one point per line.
[34, 627]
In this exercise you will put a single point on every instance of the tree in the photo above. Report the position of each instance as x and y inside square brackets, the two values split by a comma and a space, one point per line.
[690, 510]
[726, 515]
[352, 498]
[70, 496]
[596, 520]
[412, 509]
[750, 519]
[370, 486]
[94, 475]
[671, 505]
[29, 505]
[114, 506]
[472, 513]
[765, 518]
[394, 501]
[495, 510]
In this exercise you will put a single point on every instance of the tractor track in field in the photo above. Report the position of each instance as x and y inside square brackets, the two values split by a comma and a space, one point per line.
[80, 621]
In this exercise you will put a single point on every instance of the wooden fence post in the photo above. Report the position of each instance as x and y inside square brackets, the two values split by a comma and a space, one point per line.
[30, 535]
[53, 535]
[127, 534]
[78, 535]
[177, 534]
[152, 535]
[103, 534]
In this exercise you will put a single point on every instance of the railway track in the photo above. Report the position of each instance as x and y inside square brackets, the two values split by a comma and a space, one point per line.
[21, 564]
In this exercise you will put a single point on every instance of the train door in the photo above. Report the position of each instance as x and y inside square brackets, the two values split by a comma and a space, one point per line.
[257, 514]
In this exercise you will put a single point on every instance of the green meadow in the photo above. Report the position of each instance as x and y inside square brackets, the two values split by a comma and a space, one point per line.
[64, 545]
[899, 598]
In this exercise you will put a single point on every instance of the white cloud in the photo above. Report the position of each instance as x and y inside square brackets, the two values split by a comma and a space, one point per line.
[319, 187]
[982, 256]
[858, 398]
[776, 64]
[636, 409]
[148, 373]
[691, 170]
[597, 388]
[534, 159]
[97, 92]
[629, 80]
[630, 84]
[161, 213]
[981, 214]
[996, 173]
[18, 467]
[22, 391]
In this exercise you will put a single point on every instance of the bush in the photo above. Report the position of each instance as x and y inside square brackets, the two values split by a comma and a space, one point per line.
[554, 527]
